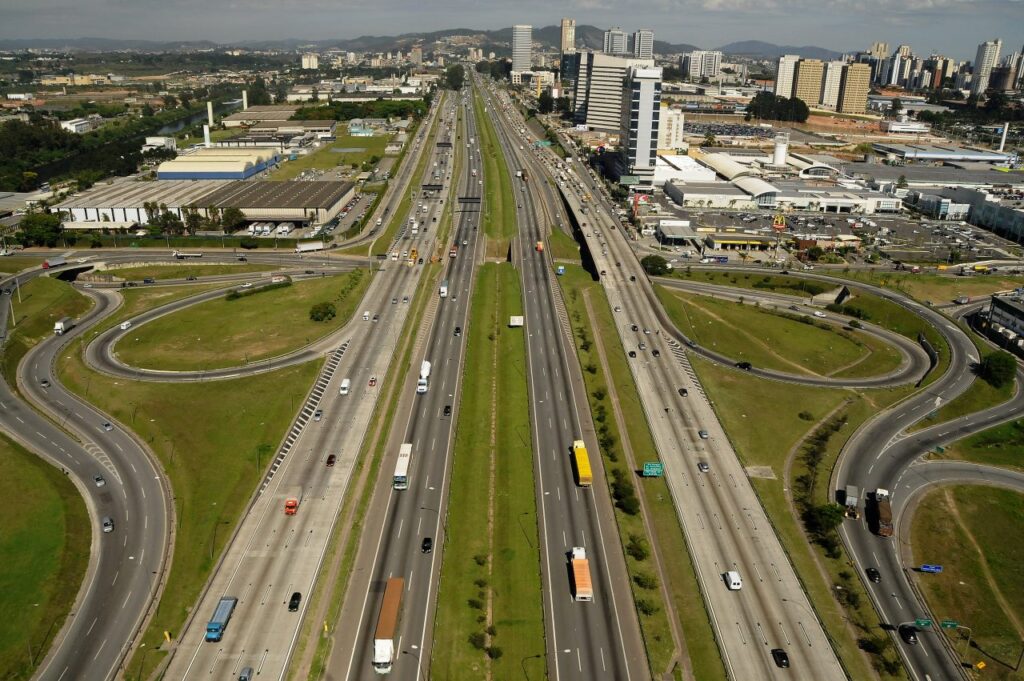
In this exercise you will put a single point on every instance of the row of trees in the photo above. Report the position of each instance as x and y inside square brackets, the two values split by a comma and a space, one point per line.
[344, 111]
[768, 106]
[163, 221]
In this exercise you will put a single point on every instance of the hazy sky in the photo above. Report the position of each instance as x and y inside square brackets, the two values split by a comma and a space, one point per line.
[954, 27]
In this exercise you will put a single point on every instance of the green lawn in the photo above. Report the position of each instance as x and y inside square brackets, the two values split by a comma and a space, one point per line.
[1001, 445]
[981, 395]
[224, 333]
[325, 158]
[981, 586]
[562, 246]
[682, 581]
[181, 271]
[499, 214]
[16, 263]
[497, 564]
[43, 302]
[215, 136]
[937, 288]
[44, 540]
[243, 422]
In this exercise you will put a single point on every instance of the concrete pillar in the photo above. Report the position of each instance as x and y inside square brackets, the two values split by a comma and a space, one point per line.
[245, 100]
[206, 136]
[209, 113]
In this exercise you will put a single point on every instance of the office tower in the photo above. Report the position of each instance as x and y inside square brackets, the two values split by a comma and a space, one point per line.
[702, 64]
[830, 84]
[853, 88]
[807, 81]
[879, 50]
[599, 90]
[904, 51]
[522, 44]
[310, 61]
[641, 109]
[987, 57]
[670, 129]
[643, 44]
[615, 41]
[568, 35]
[416, 55]
[784, 75]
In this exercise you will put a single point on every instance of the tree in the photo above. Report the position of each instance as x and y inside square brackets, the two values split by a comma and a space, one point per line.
[997, 368]
[895, 107]
[545, 103]
[322, 312]
[454, 77]
[709, 140]
[40, 229]
[655, 265]
[231, 218]
[901, 182]
[193, 221]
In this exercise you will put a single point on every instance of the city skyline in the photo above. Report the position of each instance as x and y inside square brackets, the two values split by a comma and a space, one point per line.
[944, 26]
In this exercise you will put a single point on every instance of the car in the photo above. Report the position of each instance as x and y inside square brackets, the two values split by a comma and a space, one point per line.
[642, 346]
[98, 479]
[247, 284]
[634, 327]
[458, 330]
[318, 414]
[376, 318]
[908, 633]
[405, 299]
[242, 258]
[294, 601]
[465, 242]
[632, 353]
[746, 366]
[107, 426]
[108, 524]
[44, 383]
[394, 301]
[656, 352]
[373, 381]
[703, 434]
[819, 314]
[703, 466]
[604, 272]
[420, 261]
[190, 278]
[647, 331]
[245, 674]
[617, 308]
[795, 308]
[331, 458]
[873, 575]
[632, 277]
[691, 343]
[683, 392]
[149, 280]
[427, 545]
[781, 658]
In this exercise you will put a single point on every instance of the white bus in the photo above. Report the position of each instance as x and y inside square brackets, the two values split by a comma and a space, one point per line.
[401, 479]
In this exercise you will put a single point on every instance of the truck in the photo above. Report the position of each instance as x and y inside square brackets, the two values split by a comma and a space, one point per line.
[453, 251]
[721, 259]
[422, 383]
[221, 616]
[387, 626]
[583, 589]
[540, 247]
[292, 499]
[581, 462]
[415, 227]
[181, 255]
[884, 512]
[413, 255]
[50, 263]
[62, 326]
[443, 291]
[852, 502]
[309, 246]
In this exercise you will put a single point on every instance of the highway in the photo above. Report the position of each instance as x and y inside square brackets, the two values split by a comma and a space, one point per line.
[398, 520]
[598, 640]
[127, 564]
[724, 523]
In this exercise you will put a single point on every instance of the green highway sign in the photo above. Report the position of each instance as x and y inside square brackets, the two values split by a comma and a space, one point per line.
[922, 622]
[653, 469]
[949, 624]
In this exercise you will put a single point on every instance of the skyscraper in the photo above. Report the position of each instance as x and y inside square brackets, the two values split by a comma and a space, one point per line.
[568, 35]
[853, 88]
[643, 44]
[830, 84]
[784, 75]
[988, 56]
[615, 41]
[702, 64]
[522, 44]
[641, 109]
[599, 89]
[807, 81]
[879, 50]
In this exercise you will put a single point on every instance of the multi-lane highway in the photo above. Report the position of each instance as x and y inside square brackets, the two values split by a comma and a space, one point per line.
[399, 520]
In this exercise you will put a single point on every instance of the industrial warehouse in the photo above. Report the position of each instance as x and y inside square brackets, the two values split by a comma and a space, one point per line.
[307, 203]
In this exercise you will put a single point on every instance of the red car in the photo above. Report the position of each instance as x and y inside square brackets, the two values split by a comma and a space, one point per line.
[373, 381]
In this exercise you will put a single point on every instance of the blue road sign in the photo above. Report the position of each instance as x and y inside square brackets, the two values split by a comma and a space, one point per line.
[934, 569]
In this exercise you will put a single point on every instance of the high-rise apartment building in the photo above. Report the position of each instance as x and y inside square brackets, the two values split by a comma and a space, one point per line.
[987, 57]
[830, 82]
[615, 41]
[879, 50]
[641, 113]
[643, 44]
[807, 81]
[853, 88]
[702, 64]
[784, 75]
[416, 55]
[670, 129]
[310, 61]
[522, 46]
[568, 35]
[599, 88]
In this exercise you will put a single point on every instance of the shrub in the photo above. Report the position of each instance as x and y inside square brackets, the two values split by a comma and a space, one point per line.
[805, 416]
[645, 581]
[637, 547]
[494, 652]
[478, 640]
[475, 603]
[646, 607]
[322, 312]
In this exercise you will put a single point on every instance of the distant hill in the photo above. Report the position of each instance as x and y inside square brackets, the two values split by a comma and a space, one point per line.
[104, 44]
[757, 48]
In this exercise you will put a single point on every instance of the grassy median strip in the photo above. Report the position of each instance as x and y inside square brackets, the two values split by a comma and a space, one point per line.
[223, 333]
[970, 528]
[192, 269]
[678, 570]
[500, 217]
[44, 539]
[490, 621]
[243, 422]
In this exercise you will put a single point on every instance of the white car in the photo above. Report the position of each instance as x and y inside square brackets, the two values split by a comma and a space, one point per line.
[819, 314]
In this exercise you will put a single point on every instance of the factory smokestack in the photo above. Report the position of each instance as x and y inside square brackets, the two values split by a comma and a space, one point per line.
[209, 113]
[206, 136]
[245, 100]
[781, 148]
[1006, 129]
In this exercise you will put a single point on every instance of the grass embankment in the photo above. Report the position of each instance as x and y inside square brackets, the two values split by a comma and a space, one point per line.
[43, 302]
[192, 269]
[44, 539]
[16, 263]
[801, 479]
[682, 582]
[777, 340]
[243, 422]
[981, 395]
[499, 219]
[490, 579]
[225, 333]
[328, 158]
[937, 288]
[981, 585]
[1002, 445]
[563, 247]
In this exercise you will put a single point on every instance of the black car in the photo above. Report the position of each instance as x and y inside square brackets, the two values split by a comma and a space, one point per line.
[447, 410]
[656, 353]
[632, 277]
[780, 657]
[744, 365]
[908, 633]
[874, 575]
[310, 272]
[190, 278]
[635, 327]
[427, 546]
[683, 392]
[149, 280]
[632, 353]
[458, 330]
[293, 603]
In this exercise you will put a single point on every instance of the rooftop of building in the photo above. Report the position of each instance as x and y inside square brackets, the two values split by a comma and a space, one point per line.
[940, 152]
[934, 174]
[269, 194]
[276, 112]
[132, 193]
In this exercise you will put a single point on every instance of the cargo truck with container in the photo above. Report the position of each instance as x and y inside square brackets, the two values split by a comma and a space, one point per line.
[62, 326]
[292, 499]
[884, 508]
[852, 502]
[583, 588]
[182, 255]
[424, 381]
[387, 626]
[221, 616]
[50, 263]
[581, 464]
[309, 246]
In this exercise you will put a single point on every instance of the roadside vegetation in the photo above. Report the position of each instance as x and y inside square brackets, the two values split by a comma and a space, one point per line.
[16, 263]
[590, 315]
[182, 271]
[939, 289]
[981, 586]
[224, 333]
[563, 247]
[491, 621]
[1002, 445]
[499, 217]
[44, 539]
